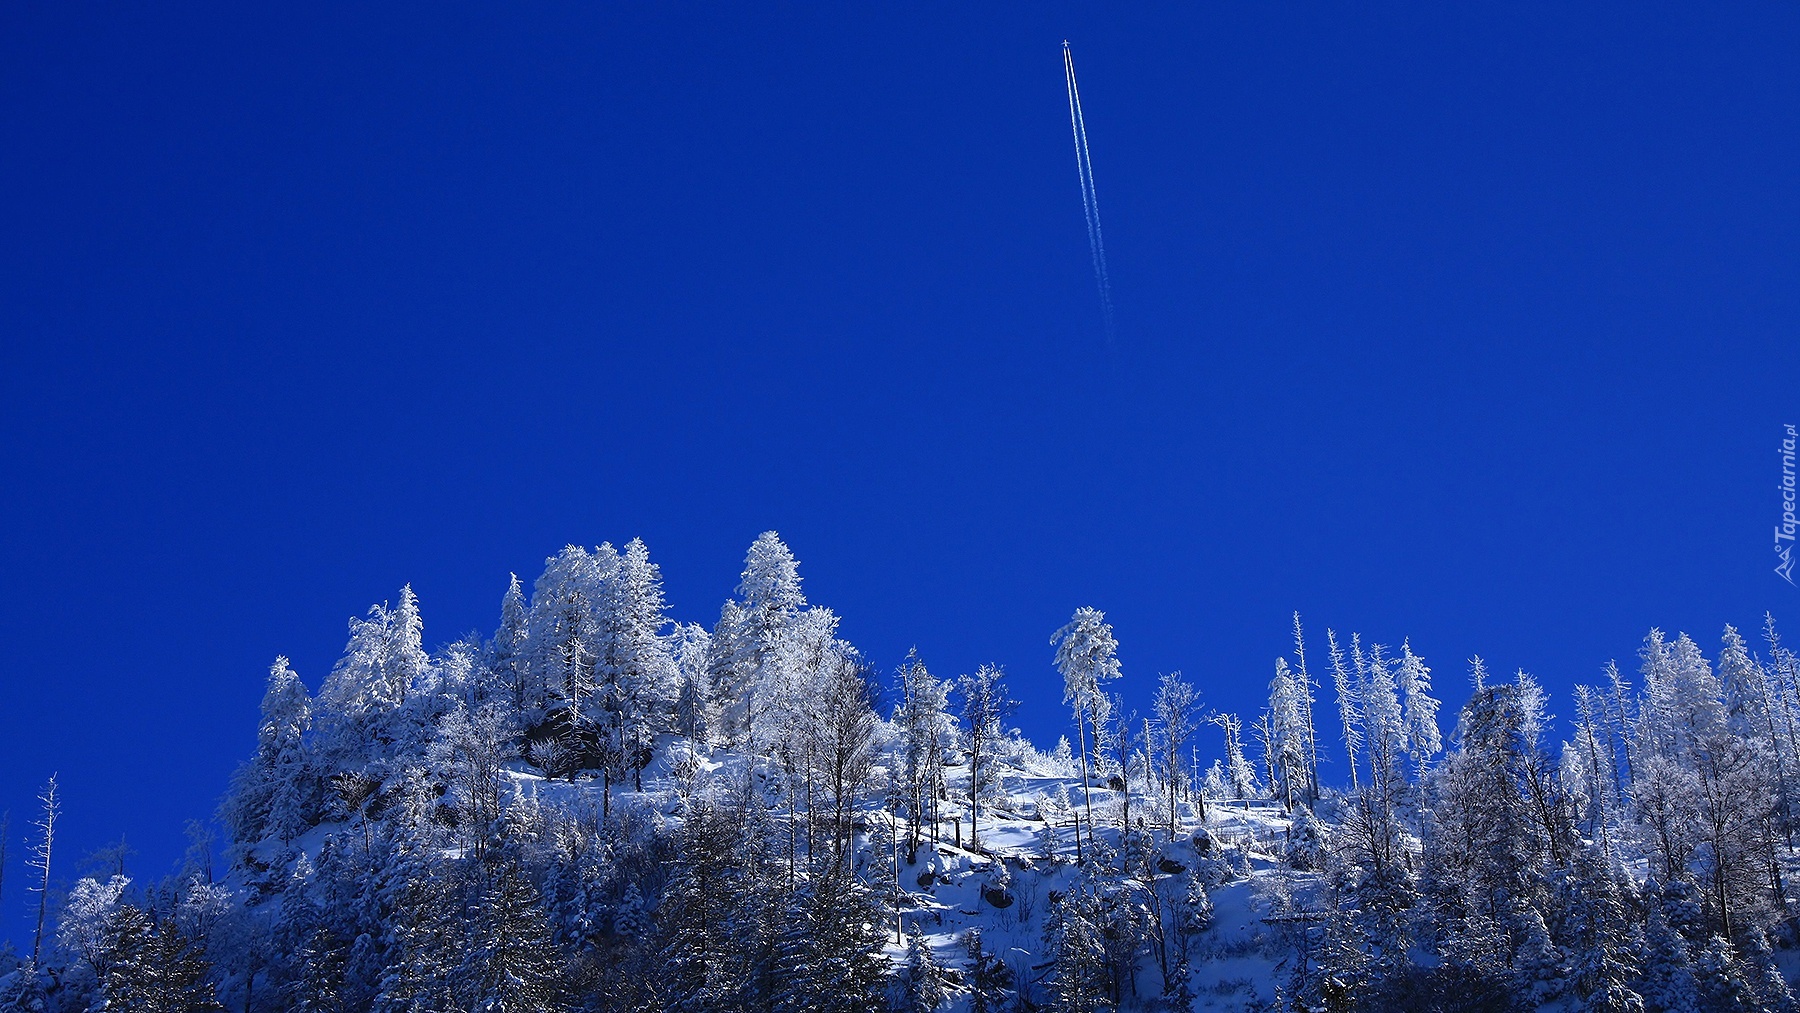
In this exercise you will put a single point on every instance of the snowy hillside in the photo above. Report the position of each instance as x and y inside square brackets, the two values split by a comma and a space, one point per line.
[1212, 875]
[597, 808]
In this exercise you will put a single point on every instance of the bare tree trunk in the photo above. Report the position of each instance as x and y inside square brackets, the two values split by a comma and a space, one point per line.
[52, 808]
[1086, 798]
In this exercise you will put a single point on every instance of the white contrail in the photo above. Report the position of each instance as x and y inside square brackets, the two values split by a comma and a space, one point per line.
[1090, 197]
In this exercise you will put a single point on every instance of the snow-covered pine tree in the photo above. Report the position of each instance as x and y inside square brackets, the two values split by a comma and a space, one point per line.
[1682, 696]
[1424, 740]
[633, 668]
[1742, 679]
[1349, 699]
[277, 794]
[1752, 700]
[1079, 981]
[689, 645]
[382, 660]
[1087, 656]
[508, 650]
[1176, 706]
[922, 725]
[405, 659]
[731, 655]
[318, 985]
[22, 991]
[511, 965]
[1590, 738]
[1309, 690]
[420, 900]
[1619, 723]
[1196, 912]
[1722, 985]
[989, 979]
[630, 920]
[1735, 802]
[153, 968]
[1239, 774]
[702, 930]
[1383, 719]
[985, 705]
[829, 959]
[1284, 730]
[748, 644]
[562, 627]
[1767, 983]
[923, 988]
[1488, 850]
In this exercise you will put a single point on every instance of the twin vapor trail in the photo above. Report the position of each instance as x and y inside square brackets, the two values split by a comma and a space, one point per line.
[1090, 198]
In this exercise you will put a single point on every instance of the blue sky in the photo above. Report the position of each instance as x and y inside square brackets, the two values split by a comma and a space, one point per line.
[1475, 328]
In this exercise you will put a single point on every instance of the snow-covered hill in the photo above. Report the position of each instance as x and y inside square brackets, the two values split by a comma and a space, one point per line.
[599, 809]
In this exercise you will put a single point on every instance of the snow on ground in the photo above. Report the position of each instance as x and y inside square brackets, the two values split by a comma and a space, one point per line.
[948, 889]
[1236, 964]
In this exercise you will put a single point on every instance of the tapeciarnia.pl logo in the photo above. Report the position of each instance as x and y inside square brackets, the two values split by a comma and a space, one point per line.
[1784, 532]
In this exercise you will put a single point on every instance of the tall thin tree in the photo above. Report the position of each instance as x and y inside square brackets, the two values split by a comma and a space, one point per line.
[40, 860]
[984, 706]
[1176, 706]
[1087, 655]
[1349, 698]
[1307, 687]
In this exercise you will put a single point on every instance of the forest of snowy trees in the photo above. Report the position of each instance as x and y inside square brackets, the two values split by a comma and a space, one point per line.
[600, 808]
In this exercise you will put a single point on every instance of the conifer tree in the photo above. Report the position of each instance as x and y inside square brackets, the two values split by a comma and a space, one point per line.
[750, 645]
[1720, 977]
[1285, 732]
[152, 968]
[1087, 655]
[989, 978]
[1349, 698]
[985, 705]
[23, 990]
[921, 718]
[1423, 737]
[630, 920]
[511, 964]
[319, 985]
[632, 663]
[1308, 690]
[424, 941]
[276, 795]
[1668, 976]
[700, 922]
[694, 716]
[382, 660]
[562, 626]
[1079, 982]
[510, 645]
[924, 985]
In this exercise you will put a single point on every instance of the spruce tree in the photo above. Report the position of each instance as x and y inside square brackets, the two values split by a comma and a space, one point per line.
[1079, 981]
[511, 964]
[989, 979]
[318, 985]
[924, 986]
